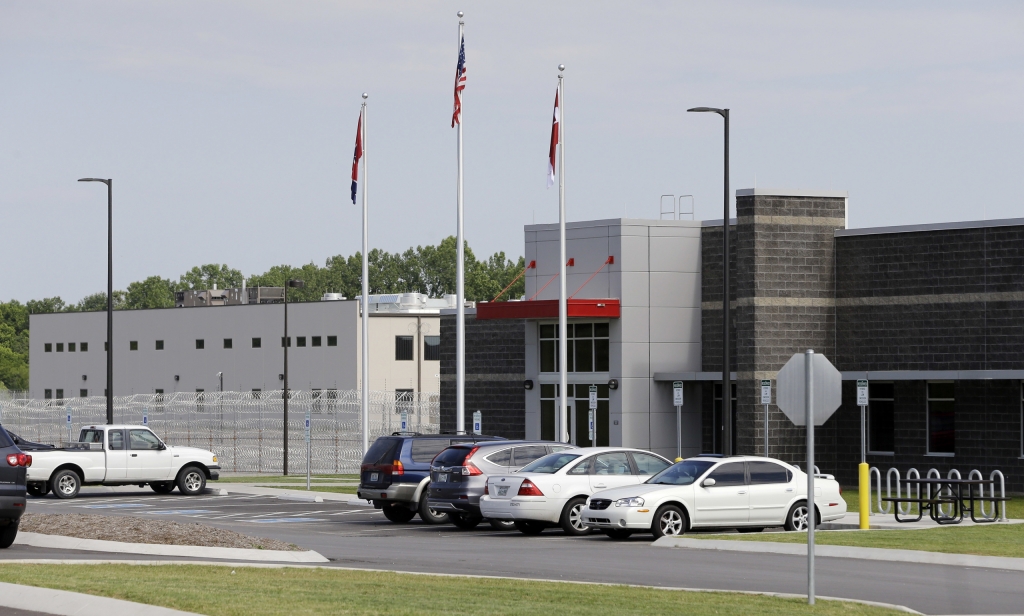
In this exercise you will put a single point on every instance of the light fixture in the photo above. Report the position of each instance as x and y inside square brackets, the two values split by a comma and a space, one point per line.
[613, 384]
[528, 384]
[85, 378]
[177, 378]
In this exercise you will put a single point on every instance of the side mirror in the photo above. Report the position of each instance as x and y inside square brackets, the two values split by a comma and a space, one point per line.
[707, 483]
[162, 447]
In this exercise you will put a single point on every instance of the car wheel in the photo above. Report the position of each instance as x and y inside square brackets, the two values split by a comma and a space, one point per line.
[669, 521]
[529, 527]
[748, 529]
[38, 489]
[191, 481]
[464, 521]
[162, 487]
[66, 484]
[7, 535]
[502, 524]
[398, 514]
[797, 518]
[616, 533]
[429, 515]
[572, 517]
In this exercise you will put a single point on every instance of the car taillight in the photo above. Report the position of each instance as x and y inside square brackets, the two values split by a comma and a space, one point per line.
[471, 470]
[28, 460]
[19, 459]
[397, 468]
[12, 459]
[840, 490]
[486, 491]
[528, 489]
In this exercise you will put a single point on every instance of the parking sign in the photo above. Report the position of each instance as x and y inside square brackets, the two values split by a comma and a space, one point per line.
[862, 392]
[766, 391]
[593, 397]
[677, 393]
[405, 421]
[307, 426]
[590, 424]
[478, 422]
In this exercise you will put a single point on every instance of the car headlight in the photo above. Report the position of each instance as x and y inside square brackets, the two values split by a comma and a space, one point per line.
[214, 458]
[634, 501]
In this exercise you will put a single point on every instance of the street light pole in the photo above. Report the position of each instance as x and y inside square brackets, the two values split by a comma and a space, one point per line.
[295, 284]
[110, 294]
[726, 377]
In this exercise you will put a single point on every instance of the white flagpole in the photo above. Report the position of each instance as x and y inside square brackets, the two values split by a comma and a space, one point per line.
[366, 299]
[460, 282]
[563, 312]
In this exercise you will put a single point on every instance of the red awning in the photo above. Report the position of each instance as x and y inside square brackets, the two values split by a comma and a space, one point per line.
[548, 309]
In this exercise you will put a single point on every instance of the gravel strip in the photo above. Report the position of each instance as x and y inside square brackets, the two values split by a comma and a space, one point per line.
[142, 530]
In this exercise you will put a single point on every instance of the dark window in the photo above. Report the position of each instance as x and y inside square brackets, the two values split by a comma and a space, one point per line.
[646, 464]
[881, 426]
[159, 345]
[60, 347]
[257, 343]
[200, 344]
[48, 394]
[682, 474]
[383, 450]
[314, 341]
[730, 474]
[60, 394]
[768, 472]
[48, 348]
[106, 347]
[453, 456]
[158, 391]
[403, 348]
[84, 346]
[431, 348]
[719, 426]
[300, 341]
[116, 440]
[332, 341]
[83, 393]
[424, 449]
[941, 424]
[289, 341]
[548, 404]
[587, 344]
[143, 440]
[71, 347]
[522, 456]
[227, 343]
[501, 458]
[133, 345]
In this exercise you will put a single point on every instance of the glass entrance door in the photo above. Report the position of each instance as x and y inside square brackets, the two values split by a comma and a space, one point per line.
[581, 433]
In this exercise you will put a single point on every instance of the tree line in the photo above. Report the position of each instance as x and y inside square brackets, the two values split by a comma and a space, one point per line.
[424, 269]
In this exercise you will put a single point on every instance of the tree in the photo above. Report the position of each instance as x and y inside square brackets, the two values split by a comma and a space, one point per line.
[97, 302]
[13, 369]
[153, 292]
[206, 276]
[45, 305]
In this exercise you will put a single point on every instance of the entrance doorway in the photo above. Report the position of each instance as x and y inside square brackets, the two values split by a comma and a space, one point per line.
[581, 432]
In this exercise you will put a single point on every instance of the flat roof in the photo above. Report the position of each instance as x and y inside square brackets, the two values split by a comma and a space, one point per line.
[939, 226]
[791, 192]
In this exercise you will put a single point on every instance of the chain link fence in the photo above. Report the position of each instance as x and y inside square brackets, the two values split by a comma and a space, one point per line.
[244, 429]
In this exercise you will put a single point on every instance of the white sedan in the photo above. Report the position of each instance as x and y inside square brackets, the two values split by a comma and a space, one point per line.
[743, 492]
[554, 489]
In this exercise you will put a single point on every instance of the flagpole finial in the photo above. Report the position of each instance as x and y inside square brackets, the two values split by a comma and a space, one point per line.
[561, 67]
[460, 14]
[365, 96]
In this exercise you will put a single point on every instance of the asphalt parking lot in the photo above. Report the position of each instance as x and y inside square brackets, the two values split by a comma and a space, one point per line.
[353, 535]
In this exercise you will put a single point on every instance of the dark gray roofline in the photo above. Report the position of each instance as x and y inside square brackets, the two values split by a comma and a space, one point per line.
[940, 226]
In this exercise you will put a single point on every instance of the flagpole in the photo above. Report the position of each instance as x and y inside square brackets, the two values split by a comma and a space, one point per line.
[460, 276]
[365, 406]
[563, 316]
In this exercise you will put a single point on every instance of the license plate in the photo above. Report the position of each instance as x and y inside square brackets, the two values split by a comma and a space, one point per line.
[502, 490]
[374, 476]
[442, 477]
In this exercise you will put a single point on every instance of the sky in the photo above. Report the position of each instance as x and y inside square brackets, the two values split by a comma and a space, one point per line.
[228, 126]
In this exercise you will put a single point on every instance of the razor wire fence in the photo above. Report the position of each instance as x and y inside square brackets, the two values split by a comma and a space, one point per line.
[244, 429]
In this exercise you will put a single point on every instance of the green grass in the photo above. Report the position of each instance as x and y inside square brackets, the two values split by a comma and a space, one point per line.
[987, 540]
[227, 591]
[282, 479]
[316, 488]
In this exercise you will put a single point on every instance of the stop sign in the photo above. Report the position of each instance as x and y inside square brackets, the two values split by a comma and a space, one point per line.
[792, 389]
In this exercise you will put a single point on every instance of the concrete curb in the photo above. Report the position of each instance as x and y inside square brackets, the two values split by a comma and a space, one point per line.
[301, 495]
[153, 549]
[64, 603]
[839, 551]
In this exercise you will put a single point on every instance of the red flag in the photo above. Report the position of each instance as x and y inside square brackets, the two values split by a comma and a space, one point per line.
[554, 144]
[356, 156]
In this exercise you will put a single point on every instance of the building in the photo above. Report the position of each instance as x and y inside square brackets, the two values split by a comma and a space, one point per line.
[192, 349]
[931, 315]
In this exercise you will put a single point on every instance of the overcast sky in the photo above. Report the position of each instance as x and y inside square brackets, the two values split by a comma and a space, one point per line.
[228, 127]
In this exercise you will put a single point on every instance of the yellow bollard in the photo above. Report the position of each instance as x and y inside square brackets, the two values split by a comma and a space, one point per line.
[865, 495]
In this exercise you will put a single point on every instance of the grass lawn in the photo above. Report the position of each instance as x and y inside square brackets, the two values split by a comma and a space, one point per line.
[242, 591]
[1014, 508]
[262, 479]
[315, 488]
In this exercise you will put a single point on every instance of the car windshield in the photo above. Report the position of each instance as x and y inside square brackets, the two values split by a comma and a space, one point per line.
[550, 463]
[683, 473]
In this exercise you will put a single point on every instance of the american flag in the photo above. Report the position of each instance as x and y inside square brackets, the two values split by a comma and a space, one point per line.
[460, 83]
[554, 144]
[356, 156]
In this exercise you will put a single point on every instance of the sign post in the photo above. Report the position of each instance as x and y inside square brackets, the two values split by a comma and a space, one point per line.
[677, 401]
[766, 399]
[69, 424]
[810, 390]
[309, 451]
[478, 422]
[863, 472]
[591, 416]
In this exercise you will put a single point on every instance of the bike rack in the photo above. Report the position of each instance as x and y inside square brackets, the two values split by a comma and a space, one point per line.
[1002, 492]
[883, 508]
[976, 474]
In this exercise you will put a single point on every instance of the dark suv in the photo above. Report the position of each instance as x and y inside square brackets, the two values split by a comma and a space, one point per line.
[396, 471]
[13, 465]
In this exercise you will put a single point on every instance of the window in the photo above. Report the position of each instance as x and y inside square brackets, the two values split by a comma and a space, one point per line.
[84, 346]
[257, 343]
[159, 346]
[227, 343]
[133, 345]
[403, 348]
[158, 392]
[48, 348]
[48, 394]
[315, 341]
[91, 436]
[431, 348]
[424, 449]
[730, 474]
[524, 455]
[71, 347]
[615, 463]
[60, 347]
[646, 464]
[200, 344]
[83, 393]
[106, 347]
[60, 394]
[332, 341]
[768, 472]
[588, 347]
[881, 418]
[719, 426]
[941, 425]
[300, 341]
[501, 458]
[289, 341]
[143, 440]
[117, 440]
[549, 402]
[200, 399]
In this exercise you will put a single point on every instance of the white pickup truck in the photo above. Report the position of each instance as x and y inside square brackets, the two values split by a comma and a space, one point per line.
[117, 456]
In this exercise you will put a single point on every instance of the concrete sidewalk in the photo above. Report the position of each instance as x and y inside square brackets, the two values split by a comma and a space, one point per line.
[64, 603]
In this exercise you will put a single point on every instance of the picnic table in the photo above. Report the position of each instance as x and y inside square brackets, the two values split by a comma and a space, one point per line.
[959, 494]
